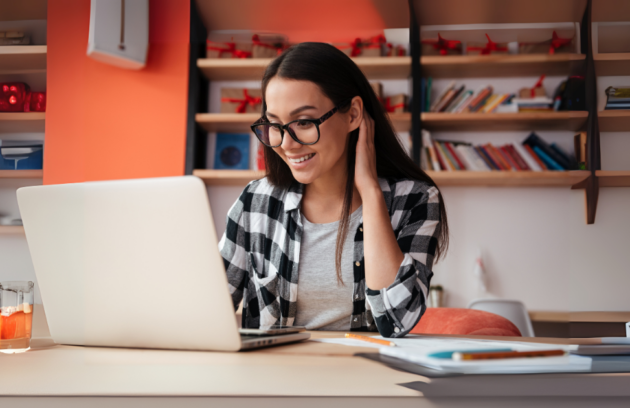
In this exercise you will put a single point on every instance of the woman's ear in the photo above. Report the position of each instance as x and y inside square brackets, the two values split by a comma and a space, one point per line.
[356, 113]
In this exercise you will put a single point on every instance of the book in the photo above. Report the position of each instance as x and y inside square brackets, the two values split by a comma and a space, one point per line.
[551, 163]
[448, 99]
[482, 150]
[534, 140]
[457, 101]
[441, 97]
[428, 143]
[501, 163]
[579, 144]
[508, 158]
[491, 107]
[571, 160]
[534, 156]
[449, 157]
[467, 96]
[444, 162]
[450, 148]
[232, 151]
[517, 157]
[531, 162]
[480, 100]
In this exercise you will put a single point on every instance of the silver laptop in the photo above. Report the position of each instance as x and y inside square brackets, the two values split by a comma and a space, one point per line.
[133, 263]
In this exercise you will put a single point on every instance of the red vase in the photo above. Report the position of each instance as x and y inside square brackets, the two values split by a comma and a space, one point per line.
[13, 96]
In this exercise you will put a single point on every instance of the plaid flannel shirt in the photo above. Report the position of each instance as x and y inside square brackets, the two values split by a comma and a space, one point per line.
[261, 252]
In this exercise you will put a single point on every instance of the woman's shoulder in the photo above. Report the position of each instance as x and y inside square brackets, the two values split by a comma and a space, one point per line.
[259, 194]
[403, 187]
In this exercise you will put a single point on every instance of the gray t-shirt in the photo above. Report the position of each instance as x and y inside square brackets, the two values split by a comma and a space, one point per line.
[322, 302]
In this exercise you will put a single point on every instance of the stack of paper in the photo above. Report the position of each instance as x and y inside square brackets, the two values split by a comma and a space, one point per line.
[418, 350]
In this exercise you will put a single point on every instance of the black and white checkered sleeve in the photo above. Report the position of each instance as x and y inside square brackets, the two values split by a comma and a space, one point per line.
[233, 249]
[415, 216]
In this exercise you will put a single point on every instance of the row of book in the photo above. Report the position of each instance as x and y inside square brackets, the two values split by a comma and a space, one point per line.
[533, 154]
[618, 97]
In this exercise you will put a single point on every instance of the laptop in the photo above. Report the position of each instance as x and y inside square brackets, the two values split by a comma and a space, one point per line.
[133, 263]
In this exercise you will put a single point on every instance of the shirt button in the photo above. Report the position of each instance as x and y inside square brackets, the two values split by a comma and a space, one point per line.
[396, 329]
[357, 263]
[355, 319]
[356, 296]
[361, 229]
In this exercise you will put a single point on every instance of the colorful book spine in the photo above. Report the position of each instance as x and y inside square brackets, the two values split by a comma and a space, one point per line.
[517, 157]
[440, 157]
[485, 155]
[508, 158]
[533, 154]
[497, 157]
[535, 141]
[531, 162]
[449, 158]
[551, 163]
[460, 163]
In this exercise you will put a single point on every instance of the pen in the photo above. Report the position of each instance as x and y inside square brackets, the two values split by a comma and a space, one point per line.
[449, 354]
[459, 356]
[370, 339]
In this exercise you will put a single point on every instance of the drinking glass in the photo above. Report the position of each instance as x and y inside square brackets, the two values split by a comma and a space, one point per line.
[16, 316]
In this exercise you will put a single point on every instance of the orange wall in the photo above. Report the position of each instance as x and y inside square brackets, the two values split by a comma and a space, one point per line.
[104, 122]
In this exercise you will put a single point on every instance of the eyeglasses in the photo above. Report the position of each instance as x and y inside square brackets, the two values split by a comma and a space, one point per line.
[303, 131]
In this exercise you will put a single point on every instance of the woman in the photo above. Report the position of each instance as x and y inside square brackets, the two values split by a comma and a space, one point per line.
[343, 231]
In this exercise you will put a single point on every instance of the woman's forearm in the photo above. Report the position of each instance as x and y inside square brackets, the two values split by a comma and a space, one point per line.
[382, 255]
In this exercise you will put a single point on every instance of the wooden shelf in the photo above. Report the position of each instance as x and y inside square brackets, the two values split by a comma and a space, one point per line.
[227, 69]
[612, 64]
[22, 59]
[22, 122]
[497, 11]
[492, 66]
[240, 122]
[608, 178]
[614, 120]
[21, 174]
[508, 178]
[447, 66]
[454, 178]
[527, 121]
[11, 10]
[11, 230]
[228, 177]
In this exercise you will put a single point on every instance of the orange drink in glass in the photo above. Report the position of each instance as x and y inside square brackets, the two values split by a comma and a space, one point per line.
[16, 316]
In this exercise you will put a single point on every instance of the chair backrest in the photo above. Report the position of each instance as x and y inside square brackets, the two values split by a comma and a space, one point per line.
[513, 310]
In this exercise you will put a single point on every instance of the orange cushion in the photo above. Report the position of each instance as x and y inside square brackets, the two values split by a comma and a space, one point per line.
[446, 320]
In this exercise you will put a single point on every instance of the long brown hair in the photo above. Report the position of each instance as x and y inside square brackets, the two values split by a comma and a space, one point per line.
[340, 79]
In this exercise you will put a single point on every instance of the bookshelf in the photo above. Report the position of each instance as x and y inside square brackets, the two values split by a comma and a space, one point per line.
[522, 121]
[23, 59]
[442, 178]
[442, 66]
[11, 230]
[22, 122]
[240, 122]
[228, 177]
[232, 69]
[21, 174]
[612, 64]
[614, 120]
[492, 66]
[609, 178]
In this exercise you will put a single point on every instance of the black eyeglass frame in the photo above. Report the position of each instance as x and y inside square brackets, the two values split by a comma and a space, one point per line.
[264, 121]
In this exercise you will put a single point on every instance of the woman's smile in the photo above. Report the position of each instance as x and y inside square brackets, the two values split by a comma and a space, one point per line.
[301, 161]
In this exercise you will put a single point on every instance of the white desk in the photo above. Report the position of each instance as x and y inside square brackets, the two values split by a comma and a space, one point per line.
[304, 375]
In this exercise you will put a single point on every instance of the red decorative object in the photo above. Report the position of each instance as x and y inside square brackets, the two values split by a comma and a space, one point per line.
[13, 96]
[247, 100]
[35, 102]
[392, 108]
[229, 47]
[537, 85]
[557, 42]
[274, 48]
[442, 45]
[490, 46]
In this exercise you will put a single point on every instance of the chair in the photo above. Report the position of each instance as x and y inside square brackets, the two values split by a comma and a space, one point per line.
[446, 320]
[513, 310]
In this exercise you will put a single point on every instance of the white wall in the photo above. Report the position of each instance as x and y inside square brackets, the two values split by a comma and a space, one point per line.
[535, 242]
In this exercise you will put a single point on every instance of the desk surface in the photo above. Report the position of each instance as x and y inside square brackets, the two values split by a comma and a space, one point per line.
[308, 369]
